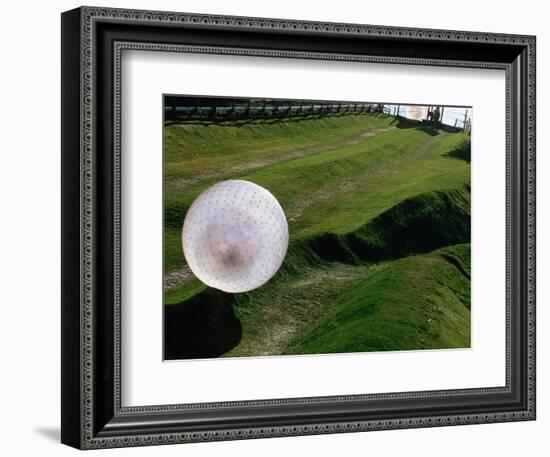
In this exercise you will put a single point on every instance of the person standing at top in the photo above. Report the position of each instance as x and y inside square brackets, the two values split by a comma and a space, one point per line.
[436, 116]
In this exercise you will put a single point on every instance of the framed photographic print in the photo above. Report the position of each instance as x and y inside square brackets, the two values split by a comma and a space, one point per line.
[274, 227]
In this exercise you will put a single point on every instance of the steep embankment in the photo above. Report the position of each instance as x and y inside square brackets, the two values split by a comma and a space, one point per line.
[417, 224]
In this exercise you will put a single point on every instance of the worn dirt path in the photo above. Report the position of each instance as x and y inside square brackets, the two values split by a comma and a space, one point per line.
[245, 167]
[285, 312]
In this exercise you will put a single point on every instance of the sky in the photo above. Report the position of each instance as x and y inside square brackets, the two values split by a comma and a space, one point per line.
[450, 113]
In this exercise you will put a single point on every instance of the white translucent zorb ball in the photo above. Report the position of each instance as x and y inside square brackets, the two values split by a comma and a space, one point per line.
[235, 236]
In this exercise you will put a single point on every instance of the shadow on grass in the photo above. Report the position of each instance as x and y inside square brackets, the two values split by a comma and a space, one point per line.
[416, 225]
[204, 326]
[403, 123]
[461, 152]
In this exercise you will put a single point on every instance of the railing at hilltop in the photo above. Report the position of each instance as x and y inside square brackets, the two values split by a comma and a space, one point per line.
[227, 110]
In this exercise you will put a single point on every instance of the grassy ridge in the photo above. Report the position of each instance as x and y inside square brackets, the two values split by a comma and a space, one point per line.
[413, 303]
[202, 148]
[417, 224]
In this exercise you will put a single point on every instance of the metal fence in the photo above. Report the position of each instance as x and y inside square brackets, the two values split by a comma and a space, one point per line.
[227, 109]
[213, 109]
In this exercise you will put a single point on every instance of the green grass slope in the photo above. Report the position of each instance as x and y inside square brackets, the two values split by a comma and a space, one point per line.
[199, 150]
[417, 224]
[412, 303]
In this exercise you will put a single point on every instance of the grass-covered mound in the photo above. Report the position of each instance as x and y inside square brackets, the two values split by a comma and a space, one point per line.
[419, 302]
[462, 151]
[417, 224]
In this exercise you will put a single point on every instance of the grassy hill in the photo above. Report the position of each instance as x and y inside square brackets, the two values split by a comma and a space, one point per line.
[359, 191]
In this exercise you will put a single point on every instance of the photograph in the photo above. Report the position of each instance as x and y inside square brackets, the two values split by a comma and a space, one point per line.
[307, 227]
[325, 224]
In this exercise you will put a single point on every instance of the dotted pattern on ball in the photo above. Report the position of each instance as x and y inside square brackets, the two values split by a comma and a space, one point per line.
[235, 236]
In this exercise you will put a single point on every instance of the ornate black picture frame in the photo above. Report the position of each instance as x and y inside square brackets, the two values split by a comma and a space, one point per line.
[92, 42]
